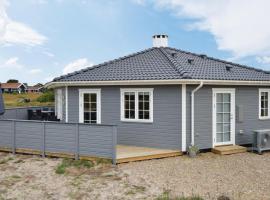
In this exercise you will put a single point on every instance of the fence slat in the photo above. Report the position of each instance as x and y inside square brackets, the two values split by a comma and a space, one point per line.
[14, 137]
[43, 132]
[77, 144]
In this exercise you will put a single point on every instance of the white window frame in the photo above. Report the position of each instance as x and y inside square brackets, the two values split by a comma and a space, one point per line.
[81, 109]
[260, 103]
[136, 91]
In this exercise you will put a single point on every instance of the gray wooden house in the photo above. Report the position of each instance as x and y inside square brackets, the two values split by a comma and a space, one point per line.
[164, 97]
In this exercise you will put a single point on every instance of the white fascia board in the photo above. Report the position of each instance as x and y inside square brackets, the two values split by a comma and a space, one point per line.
[156, 82]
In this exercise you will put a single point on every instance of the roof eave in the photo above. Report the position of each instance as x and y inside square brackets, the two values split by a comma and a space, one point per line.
[155, 82]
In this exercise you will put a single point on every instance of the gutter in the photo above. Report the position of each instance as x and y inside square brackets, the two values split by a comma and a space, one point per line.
[155, 82]
[192, 111]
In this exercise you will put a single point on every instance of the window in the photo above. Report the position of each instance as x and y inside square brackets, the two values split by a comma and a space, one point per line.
[264, 104]
[90, 106]
[137, 105]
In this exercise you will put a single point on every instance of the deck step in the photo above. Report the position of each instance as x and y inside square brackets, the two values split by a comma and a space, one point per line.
[229, 149]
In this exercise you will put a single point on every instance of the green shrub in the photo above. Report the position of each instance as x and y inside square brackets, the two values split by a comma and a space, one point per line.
[61, 168]
[47, 96]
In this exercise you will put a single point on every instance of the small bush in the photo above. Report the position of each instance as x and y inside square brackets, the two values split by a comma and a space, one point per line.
[48, 96]
[61, 168]
[166, 196]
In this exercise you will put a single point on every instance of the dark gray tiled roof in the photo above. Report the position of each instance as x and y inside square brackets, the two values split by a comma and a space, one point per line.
[166, 63]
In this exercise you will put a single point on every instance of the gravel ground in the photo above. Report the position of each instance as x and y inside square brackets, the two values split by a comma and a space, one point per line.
[240, 176]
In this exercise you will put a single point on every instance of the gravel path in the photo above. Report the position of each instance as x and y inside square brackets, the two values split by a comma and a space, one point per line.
[240, 176]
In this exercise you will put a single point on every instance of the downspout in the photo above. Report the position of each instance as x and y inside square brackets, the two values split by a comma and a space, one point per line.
[192, 111]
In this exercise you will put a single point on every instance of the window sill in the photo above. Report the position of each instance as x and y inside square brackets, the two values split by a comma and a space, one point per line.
[137, 121]
[264, 118]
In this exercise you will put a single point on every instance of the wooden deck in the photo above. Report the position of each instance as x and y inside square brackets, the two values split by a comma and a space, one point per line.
[229, 149]
[133, 153]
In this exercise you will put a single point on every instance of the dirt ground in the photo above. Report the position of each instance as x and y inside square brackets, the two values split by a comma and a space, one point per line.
[240, 176]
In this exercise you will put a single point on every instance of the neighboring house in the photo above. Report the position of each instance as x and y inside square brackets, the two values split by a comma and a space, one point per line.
[13, 87]
[34, 89]
[168, 98]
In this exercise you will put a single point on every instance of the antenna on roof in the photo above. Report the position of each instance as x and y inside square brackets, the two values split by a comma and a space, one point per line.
[190, 61]
[203, 56]
[229, 67]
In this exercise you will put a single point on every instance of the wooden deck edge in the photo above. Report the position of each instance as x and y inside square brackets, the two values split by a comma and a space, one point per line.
[51, 154]
[148, 157]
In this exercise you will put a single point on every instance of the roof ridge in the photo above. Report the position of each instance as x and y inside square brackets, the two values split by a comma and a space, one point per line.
[182, 72]
[104, 63]
[220, 60]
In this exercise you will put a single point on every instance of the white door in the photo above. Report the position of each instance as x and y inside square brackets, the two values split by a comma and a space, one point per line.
[223, 116]
[89, 108]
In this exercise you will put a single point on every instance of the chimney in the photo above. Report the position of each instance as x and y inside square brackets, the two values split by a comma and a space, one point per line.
[160, 41]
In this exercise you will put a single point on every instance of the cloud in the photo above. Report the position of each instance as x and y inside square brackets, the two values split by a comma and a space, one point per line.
[140, 2]
[35, 71]
[77, 65]
[49, 54]
[240, 27]
[13, 32]
[11, 63]
[263, 59]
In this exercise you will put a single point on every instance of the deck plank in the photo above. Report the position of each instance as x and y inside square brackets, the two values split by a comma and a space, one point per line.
[134, 153]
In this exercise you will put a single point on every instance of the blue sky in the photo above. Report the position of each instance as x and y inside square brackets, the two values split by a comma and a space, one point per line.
[42, 39]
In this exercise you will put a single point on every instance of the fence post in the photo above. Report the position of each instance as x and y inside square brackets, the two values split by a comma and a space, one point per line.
[77, 133]
[14, 137]
[43, 139]
[114, 145]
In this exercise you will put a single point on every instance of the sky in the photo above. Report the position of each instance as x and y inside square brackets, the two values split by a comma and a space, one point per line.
[43, 39]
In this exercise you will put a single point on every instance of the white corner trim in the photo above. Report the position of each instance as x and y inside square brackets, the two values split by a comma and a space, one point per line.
[184, 115]
[136, 91]
[66, 104]
[260, 102]
[83, 91]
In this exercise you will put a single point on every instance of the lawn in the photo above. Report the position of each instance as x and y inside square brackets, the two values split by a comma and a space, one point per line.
[15, 100]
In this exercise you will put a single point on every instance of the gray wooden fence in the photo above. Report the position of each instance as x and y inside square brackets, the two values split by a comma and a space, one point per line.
[78, 140]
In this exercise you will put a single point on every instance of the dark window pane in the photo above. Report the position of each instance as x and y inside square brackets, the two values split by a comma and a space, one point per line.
[126, 97]
[126, 104]
[93, 116]
[93, 106]
[86, 116]
[86, 106]
[146, 106]
[132, 114]
[140, 105]
[140, 96]
[86, 97]
[127, 114]
[146, 115]
[93, 121]
[93, 97]
[146, 96]
[132, 97]
[86, 121]
[140, 114]
[132, 104]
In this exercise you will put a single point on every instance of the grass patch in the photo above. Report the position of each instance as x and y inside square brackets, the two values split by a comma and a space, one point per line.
[166, 196]
[103, 161]
[66, 163]
[14, 100]
[4, 161]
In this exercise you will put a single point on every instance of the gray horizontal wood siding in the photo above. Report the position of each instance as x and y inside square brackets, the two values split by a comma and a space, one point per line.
[71, 138]
[246, 97]
[164, 132]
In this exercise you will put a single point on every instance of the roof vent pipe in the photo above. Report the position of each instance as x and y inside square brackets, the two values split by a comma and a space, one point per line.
[192, 111]
[160, 41]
